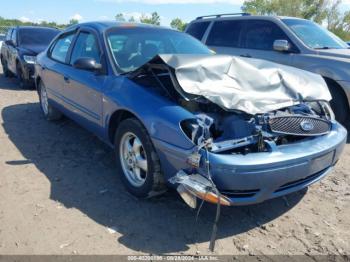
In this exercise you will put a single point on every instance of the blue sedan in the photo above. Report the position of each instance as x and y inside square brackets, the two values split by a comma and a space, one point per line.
[119, 81]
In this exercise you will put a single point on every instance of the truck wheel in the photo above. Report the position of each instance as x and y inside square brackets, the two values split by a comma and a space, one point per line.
[49, 112]
[340, 106]
[23, 83]
[5, 69]
[137, 161]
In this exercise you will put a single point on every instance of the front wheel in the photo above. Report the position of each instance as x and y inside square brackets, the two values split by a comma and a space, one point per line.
[137, 161]
[340, 107]
[49, 112]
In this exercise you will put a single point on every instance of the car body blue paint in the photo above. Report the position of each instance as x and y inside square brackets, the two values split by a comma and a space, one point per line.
[91, 99]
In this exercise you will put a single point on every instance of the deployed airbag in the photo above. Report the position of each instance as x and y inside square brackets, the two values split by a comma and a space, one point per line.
[250, 85]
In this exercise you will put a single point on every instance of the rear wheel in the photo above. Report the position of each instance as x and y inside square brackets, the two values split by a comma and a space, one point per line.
[49, 112]
[137, 160]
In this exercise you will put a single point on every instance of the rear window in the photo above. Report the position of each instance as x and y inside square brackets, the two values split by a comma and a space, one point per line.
[197, 30]
[37, 36]
[225, 33]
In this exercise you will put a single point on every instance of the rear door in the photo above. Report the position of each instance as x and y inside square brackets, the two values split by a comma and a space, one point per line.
[224, 37]
[84, 88]
[12, 51]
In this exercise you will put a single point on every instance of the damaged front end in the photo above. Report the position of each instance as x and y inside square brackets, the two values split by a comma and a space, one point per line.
[240, 107]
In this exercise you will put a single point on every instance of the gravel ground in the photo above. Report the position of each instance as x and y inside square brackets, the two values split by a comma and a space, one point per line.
[60, 194]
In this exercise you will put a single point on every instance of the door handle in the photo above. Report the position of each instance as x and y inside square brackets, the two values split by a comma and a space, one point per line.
[246, 55]
[66, 79]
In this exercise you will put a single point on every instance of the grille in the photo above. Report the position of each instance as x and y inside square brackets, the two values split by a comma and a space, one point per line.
[299, 125]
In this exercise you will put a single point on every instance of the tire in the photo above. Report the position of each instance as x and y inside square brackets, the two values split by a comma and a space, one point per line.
[148, 183]
[50, 113]
[23, 83]
[340, 106]
[5, 69]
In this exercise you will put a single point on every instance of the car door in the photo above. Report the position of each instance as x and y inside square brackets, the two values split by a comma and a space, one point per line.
[5, 47]
[53, 67]
[12, 51]
[83, 88]
[258, 37]
[224, 37]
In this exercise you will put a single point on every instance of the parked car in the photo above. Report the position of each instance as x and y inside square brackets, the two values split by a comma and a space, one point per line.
[2, 39]
[21, 46]
[285, 40]
[168, 107]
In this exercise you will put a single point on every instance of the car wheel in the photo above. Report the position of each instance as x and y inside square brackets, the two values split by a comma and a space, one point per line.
[23, 83]
[49, 112]
[340, 106]
[137, 160]
[5, 69]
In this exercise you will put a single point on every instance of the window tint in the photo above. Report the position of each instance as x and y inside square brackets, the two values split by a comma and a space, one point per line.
[197, 30]
[225, 33]
[36, 36]
[60, 50]
[86, 46]
[261, 35]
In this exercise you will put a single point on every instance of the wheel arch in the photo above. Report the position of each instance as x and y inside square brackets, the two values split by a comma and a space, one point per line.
[116, 118]
[334, 84]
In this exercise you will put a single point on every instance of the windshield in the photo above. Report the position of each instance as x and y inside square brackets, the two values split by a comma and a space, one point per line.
[314, 35]
[37, 36]
[133, 47]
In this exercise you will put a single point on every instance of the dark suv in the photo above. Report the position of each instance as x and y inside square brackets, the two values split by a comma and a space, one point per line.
[18, 52]
[286, 40]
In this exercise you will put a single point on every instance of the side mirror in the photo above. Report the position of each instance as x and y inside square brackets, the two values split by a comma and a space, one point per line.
[281, 46]
[86, 63]
[9, 42]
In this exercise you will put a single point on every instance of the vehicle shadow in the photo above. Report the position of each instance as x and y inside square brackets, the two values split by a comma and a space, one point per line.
[82, 174]
[9, 83]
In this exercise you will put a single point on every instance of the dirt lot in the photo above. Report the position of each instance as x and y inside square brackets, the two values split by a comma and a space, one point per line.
[60, 194]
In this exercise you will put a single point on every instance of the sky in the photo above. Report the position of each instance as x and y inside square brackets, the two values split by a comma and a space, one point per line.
[62, 11]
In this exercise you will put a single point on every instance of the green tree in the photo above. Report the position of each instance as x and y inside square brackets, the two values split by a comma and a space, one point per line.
[178, 24]
[154, 19]
[73, 22]
[120, 17]
[320, 11]
[132, 19]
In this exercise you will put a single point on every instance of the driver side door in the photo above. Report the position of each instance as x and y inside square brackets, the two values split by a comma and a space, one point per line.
[83, 88]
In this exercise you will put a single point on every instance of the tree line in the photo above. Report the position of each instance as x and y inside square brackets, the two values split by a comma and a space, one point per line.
[324, 12]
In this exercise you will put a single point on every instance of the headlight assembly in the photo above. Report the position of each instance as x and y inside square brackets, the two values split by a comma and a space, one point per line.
[29, 59]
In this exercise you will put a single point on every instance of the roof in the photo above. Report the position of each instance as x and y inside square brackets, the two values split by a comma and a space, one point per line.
[35, 27]
[104, 25]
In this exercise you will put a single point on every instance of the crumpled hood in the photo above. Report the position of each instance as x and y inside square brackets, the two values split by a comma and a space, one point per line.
[250, 85]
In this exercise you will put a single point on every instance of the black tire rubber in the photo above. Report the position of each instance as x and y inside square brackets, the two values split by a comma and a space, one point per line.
[53, 114]
[23, 83]
[340, 106]
[154, 184]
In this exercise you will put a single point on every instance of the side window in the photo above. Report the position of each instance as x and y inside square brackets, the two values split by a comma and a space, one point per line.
[9, 33]
[86, 46]
[261, 35]
[225, 33]
[61, 47]
[198, 29]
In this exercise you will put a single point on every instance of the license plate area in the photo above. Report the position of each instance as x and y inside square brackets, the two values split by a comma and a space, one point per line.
[322, 162]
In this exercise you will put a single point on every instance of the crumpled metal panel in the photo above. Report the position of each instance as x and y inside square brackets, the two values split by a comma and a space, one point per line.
[250, 85]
